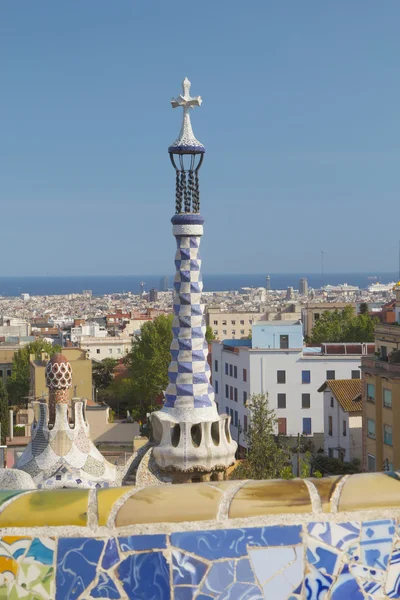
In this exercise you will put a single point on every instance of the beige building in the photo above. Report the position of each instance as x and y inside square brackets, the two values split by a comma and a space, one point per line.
[81, 374]
[312, 312]
[237, 324]
[106, 347]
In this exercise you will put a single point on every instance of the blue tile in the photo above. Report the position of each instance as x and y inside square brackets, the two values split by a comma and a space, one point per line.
[244, 573]
[77, 560]
[187, 570]
[339, 535]
[232, 543]
[40, 553]
[145, 576]
[376, 543]
[316, 585]
[219, 578]
[142, 542]
[105, 588]
[184, 593]
[242, 591]
[346, 586]
[111, 554]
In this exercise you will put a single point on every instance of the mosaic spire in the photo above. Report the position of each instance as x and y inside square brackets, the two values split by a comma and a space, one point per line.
[188, 433]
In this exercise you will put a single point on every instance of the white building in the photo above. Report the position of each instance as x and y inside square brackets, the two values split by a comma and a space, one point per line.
[93, 330]
[343, 418]
[106, 347]
[275, 362]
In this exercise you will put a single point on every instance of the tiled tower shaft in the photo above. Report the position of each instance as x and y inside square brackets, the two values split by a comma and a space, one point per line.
[189, 372]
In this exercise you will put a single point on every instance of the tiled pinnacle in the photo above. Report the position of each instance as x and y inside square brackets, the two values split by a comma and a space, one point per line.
[189, 372]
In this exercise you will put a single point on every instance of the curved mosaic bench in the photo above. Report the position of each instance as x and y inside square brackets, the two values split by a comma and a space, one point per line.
[335, 538]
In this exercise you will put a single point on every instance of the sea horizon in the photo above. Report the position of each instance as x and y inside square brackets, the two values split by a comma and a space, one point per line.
[49, 285]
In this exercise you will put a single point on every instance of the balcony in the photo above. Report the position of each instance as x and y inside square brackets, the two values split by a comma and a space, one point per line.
[378, 366]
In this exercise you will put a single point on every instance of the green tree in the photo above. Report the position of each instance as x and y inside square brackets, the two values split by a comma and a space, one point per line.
[268, 455]
[363, 308]
[103, 373]
[18, 383]
[209, 334]
[4, 412]
[148, 362]
[334, 466]
[343, 327]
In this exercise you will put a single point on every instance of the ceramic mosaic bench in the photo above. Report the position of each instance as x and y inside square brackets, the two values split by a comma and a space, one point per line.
[323, 539]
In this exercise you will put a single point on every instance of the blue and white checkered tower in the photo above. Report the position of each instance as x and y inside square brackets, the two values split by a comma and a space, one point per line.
[188, 433]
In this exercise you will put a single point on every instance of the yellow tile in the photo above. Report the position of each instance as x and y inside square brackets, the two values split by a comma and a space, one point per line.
[170, 504]
[106, 498]
[370, 490]
[46, 508]
[275, 496]
[325, 487]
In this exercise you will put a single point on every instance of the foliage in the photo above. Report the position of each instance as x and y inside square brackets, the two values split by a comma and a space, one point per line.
[19, 430]
[148, 362]
[343, 326]
[268, 455]
[103, 373]
[209, 334]
[118, 395]
[18, 383]
[334, 466]
[363, 308]
[4, 412]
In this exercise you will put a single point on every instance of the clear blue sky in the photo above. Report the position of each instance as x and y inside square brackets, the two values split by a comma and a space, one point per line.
[300, 120]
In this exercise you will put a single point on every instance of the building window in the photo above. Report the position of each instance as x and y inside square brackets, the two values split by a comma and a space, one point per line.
[231, 370]
[226, 390]
[98, 350]
[332, 401]
[224, 323]
[216, 386]
[215, 332]
[370, 392]
[387, 435]
[245, 423]
[371, 463]
[281, 400]
[244, 374]
[226, 369]
[231, 392]
[224, 332]
[251, 321]
[330, 425]
[281, 376]
[242, 322]
[307, 426]
[330, 452]
[236, 418]
[282, 426]
[283, 342]
[215, 322]
[235, 372]
[242, 331]
[8, 372]
[355, 374]
[110, 351]
[1, 372]
[233, 333]
[344, 428]
[119, 350]
[316, 317]
[231, 413]
[305, 401]
[216, 366]
[235, 394]
[330, 374]
[233, 322]
[306, 377]
[244, 397]
[227, 410]
[384, 353]
[371, 428]
[387, 398]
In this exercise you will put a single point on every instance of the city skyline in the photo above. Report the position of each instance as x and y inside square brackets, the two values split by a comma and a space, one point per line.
[86, 122]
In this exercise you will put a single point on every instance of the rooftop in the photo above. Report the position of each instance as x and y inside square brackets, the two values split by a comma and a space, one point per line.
[346, 391]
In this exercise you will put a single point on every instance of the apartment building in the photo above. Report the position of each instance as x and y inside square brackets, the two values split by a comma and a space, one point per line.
[381, 398]
[276, 362]
[106, 347]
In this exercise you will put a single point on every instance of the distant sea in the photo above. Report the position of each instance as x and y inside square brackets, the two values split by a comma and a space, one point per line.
[109, 284]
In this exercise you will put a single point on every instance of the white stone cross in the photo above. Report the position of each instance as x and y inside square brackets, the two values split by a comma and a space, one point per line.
[185, 100]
